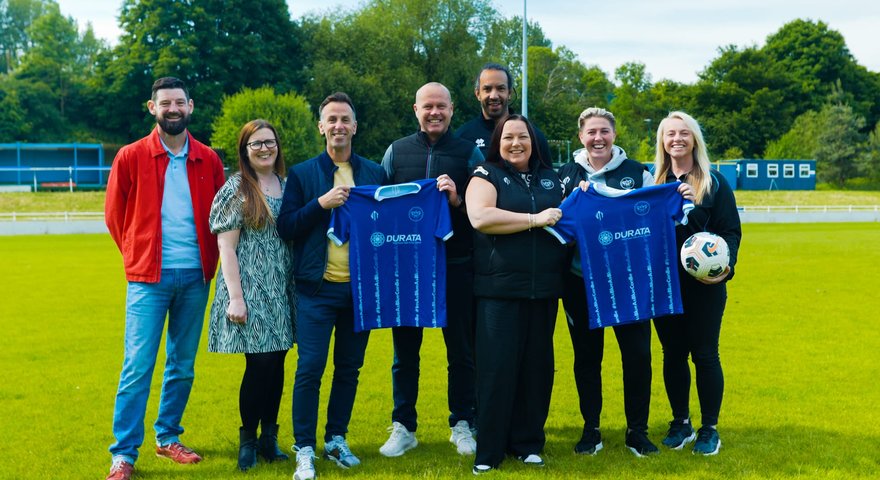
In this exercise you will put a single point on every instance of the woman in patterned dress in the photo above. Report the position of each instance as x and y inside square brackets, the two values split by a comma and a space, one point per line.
[253, 310]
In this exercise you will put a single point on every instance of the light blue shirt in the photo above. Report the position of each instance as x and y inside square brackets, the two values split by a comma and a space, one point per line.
[180, 245]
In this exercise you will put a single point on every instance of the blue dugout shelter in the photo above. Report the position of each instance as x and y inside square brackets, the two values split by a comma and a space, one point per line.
[53, 164]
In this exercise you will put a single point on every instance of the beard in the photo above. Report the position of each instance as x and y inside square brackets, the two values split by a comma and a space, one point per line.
[500, 109]
[173, 126]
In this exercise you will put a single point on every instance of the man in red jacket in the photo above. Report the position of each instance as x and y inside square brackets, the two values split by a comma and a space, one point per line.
[159, 194]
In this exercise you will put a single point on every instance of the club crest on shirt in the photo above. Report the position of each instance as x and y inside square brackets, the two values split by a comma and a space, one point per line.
[627, 182]
[642, 208]
[547, 183]
[416, 214]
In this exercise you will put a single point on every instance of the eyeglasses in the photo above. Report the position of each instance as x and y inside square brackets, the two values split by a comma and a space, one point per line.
[258, 145]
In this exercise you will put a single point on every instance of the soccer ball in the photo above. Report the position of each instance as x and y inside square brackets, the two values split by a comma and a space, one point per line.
[705, 255]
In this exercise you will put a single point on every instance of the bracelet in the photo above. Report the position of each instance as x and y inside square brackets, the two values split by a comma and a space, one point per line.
[531, 221]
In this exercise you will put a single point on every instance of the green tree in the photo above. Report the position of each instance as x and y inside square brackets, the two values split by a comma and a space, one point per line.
[634, 110]
[560, 87]
[289, 113]
[216, 46]
[743, 99]
[869, 165]
[16, 16]
[14, 124]
[817, 59]
[400, 45]
[801, 142]
[839, 144]
[52, 75]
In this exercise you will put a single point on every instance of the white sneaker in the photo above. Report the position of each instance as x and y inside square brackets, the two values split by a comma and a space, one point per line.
[305, 464]
[463, 438]
[532, 460]
[399, 442]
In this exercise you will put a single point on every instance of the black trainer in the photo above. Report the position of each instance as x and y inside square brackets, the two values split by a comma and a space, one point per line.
[639, 444]
[591, 442]
[680, 433]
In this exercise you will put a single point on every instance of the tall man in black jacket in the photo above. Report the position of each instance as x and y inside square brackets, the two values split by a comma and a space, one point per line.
[493, 87]
[434, 152]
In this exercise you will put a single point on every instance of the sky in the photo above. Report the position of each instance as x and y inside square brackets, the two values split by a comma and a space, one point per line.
[675, 40]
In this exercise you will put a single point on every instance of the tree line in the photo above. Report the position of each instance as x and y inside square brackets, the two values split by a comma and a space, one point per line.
[800, 95]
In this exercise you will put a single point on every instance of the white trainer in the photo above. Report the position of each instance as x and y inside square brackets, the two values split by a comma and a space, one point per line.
[305, 464]
[463, 438]
[399, 442]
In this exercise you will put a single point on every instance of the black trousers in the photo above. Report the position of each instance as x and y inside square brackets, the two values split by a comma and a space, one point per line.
[695, 333]
[459, 338]
[514, 352]
[634, 340]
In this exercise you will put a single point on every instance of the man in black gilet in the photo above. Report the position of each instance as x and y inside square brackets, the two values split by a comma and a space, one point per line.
[434, 152]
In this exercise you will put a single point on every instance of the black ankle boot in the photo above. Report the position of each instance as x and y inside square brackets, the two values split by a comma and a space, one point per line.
[269, 444]
[247, 449]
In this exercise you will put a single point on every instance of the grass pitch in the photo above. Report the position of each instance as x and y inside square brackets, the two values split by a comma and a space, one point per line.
[799, 346]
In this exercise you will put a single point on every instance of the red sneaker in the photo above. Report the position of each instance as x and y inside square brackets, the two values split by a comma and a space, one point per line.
[178, 453]
[120, 471]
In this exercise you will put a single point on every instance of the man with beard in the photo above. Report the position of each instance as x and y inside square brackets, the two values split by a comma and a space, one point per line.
[493, 88]
[159, 194]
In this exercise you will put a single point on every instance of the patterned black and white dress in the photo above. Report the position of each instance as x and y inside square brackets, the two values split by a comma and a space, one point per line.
[266, 281]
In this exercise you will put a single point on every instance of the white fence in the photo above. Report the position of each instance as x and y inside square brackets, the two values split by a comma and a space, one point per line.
[810, 213]
[28, 223]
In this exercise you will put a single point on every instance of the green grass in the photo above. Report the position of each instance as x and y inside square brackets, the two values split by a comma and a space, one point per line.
[32, 202]
[799, 346]
[94, 201]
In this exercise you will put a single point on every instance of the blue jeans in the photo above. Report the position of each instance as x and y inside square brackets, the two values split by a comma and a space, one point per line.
[317, 314]
[181, 294]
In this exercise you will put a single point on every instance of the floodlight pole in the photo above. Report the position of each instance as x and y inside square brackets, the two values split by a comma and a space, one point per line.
[525, 64]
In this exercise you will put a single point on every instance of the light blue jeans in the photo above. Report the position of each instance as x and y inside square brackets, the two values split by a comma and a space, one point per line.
[181, 295]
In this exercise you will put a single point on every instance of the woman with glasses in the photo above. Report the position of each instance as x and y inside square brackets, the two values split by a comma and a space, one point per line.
[253, 310]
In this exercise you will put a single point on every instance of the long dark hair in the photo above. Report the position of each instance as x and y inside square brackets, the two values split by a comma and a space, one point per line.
[255, 211]
[494, 155]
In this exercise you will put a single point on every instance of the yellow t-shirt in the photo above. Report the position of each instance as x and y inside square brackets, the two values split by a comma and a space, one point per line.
[337, 257]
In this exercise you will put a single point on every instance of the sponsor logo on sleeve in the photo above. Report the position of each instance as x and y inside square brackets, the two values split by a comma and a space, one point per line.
[482, 170]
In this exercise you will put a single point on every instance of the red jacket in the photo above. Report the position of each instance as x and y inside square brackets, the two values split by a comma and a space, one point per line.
[133, 206]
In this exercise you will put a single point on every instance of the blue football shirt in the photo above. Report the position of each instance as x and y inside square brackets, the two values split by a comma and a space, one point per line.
[626, 239]
[396, 253]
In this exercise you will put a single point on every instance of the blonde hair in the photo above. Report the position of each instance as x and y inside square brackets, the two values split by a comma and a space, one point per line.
[596, 112]
[699, 177]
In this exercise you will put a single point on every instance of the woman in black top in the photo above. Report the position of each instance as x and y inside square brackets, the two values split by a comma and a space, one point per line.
[682, 155]
[517, 282]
